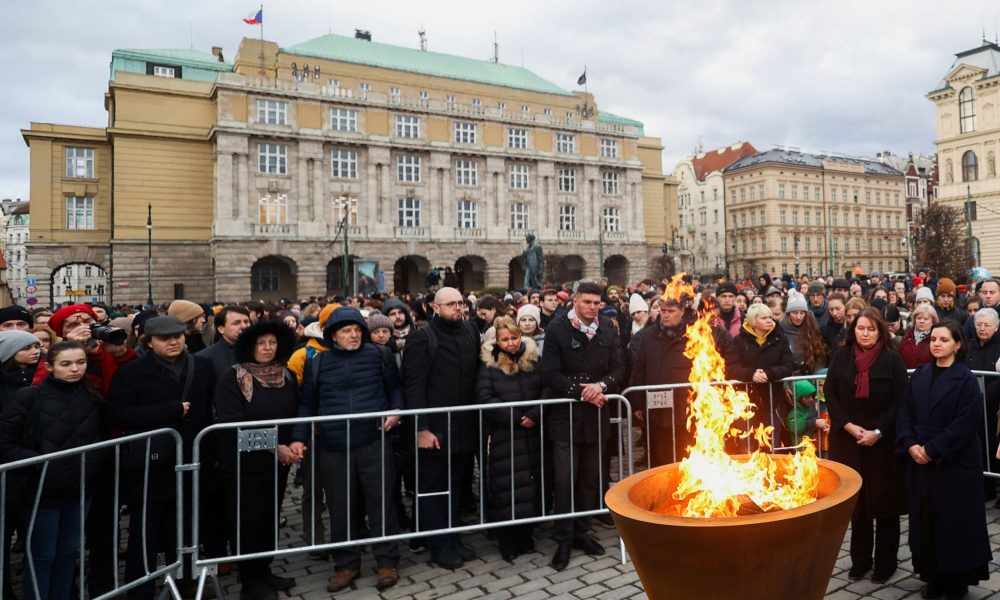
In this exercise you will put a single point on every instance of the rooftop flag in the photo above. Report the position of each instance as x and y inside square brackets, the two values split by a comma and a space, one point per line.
[582, 80]
[255, 18]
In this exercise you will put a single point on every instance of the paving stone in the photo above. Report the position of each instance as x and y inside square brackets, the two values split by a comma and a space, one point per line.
[591, 591]
[599, 576]
[435, 592]
[625, 591]
[502, 584]
[890, 593]
[530, 586]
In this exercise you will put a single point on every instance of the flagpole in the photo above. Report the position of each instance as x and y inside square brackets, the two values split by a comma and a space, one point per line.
[262, 72]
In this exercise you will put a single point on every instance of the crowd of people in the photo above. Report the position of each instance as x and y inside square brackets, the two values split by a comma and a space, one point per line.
[90, 372]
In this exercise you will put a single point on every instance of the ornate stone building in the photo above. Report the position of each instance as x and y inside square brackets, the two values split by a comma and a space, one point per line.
[244, 178]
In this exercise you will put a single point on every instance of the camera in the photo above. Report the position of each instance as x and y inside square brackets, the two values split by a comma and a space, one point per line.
[111, 335]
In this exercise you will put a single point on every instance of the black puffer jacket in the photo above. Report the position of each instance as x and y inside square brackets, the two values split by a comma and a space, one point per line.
[53, 416]
[774, 356]
[501, 379]
[12, 381]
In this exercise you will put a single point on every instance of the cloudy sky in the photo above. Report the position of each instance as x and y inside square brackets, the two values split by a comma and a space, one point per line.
[847, 76]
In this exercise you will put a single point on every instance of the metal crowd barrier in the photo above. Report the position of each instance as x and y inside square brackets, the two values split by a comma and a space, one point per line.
[38, 467]
[260, 435]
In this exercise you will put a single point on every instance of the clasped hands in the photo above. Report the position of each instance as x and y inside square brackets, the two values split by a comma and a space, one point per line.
[593, 393]
[865, 437]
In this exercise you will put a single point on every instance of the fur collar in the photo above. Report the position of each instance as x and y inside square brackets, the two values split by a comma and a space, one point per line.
[526, 363]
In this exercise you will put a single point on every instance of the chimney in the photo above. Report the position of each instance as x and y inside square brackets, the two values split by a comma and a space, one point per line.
[217, 51]
[363, 34]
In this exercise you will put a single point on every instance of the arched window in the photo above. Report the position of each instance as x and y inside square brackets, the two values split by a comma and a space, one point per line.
[966, 111]
[970, 168]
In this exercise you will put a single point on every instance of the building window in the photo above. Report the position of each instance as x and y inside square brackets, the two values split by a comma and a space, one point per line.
[502, 105]
[517, 137]
[567, 180]
[781, 191]
[450, 102]
[343, 119]
[805, 192]
[795, 217]
[784, 245]
[80, 162]
[162, 71]
[843, 195]
[407, 126]
[365, 88]
[753, 219]
[966, 111]
[465, 132]
[519, 177]
[271, 112]
[79, 212]
[272, 159]
[408, 168]
[345, 207]
[715, 216]
[525, 109]
[409, 212]
[567, 218]
[795, 192]
[273, 209]
[611, 219]
[762, 216]
[344, 164]
[468, 214]
[394, 95]
[609, 183]
[477, 105]
[609, 148]
[547, 112]
[970, 167]
[781, 217]
[519, 216]
[868, 196]
[265, 278]
[565, 143]
[878, 197]
[466, 173]
[806, 216]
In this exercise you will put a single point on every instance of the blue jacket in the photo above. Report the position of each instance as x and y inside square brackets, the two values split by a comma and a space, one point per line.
[347, 382]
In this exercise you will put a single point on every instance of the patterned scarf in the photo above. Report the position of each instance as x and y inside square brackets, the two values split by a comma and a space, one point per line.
[589, 330]
[271, 375]
[863, 361]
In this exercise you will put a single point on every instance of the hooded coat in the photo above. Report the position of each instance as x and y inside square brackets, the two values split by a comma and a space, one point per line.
[774, 356]
[514, 451]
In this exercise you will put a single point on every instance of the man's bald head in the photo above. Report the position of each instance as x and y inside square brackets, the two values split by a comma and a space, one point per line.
[448, 304]
[447, 294]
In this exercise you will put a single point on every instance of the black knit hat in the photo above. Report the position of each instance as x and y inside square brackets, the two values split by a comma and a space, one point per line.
[726, 287]
[16, 313]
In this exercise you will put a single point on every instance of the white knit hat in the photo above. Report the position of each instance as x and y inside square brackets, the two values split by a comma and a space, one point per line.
[530, 310]
[924, 293]
[637, 304]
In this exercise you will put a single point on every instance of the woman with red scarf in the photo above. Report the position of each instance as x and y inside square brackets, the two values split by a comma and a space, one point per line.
[865, 381]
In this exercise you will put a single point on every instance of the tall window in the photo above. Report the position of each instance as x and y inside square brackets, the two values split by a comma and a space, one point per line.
[272, 159]
[271, 112]
[611, 219]
[609, 182]
[519, 177]
[781, 191]
[449, 101]
[265, 278]
[567, 217]
[407, 126]
[273, 209]
[567, 180]
[468, 214]
[345, 207]
[409, 212]
[408, 168]
[970, 167]
[966, 111]
[519, 216]
[565, 143]
[805, 192]
[344, 164]
[609, 148]
[465, 132]
[80, 162]
[517, 137]
[79, 212]
[343, 119]
[466, 173]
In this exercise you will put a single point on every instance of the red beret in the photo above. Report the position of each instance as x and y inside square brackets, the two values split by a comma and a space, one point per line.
[56, 320]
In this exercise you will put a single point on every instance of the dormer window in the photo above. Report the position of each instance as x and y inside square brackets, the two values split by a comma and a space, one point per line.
[161, 70]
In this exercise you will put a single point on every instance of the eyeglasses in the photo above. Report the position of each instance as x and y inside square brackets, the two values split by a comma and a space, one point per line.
[452, 304]
[985, 325]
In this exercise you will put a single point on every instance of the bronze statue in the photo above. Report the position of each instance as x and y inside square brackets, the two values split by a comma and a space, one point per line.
[534, 263]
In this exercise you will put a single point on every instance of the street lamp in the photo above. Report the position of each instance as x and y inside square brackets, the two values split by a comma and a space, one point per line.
[348, 206]
[796, 244]
[149, 255]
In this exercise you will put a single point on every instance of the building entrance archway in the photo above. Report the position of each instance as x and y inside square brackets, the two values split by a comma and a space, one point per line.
[273, 277]
[73, 283]
[471, 273]
[409, 273]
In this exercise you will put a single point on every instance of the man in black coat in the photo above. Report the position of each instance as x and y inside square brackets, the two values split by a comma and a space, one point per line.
[582, 360]
[230, 322]
[148, 394]
[439, 370]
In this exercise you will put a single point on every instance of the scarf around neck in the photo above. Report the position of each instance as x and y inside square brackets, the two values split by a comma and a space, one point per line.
[760, 339]
[271, 375]
[513, 356]
[863, 361]
[589, 330]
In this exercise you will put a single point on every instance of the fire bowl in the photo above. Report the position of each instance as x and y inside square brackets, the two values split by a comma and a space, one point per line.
[781, 554]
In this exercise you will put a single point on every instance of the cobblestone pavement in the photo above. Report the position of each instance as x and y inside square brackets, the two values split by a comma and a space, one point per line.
[529, 577]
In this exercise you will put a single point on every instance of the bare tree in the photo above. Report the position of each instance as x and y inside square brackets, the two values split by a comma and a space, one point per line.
[940, 241]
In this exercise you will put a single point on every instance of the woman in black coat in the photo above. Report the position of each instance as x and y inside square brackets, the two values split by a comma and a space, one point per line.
[762, 357]
[509, 374]
[982, 355]
[939, 418]
[863, 385]
[257, 388]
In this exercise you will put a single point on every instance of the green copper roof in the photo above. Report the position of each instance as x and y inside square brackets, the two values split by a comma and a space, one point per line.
[362, 52]
[610, 119]
[195, 64]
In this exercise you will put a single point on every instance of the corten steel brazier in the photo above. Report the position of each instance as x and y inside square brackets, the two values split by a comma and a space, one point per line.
[780, 554]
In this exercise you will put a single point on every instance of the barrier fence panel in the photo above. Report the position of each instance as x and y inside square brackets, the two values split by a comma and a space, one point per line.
[51, 509]
[348, 452]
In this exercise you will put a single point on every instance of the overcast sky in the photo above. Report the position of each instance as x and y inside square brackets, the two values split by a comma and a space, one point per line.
[847, 76]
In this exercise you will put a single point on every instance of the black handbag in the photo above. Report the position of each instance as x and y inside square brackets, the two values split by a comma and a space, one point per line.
[159, 448]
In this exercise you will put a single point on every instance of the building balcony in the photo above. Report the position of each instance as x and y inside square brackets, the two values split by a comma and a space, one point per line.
[571, 234]
[410, 232]
[274, 229]
[614, 236]
[470, 233]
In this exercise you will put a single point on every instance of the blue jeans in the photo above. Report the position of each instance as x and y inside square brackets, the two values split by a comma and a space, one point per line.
[55, 543]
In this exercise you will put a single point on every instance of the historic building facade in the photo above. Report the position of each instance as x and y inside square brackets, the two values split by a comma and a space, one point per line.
[968, 141]
[700, 239]
[242, 179]
[794, 212]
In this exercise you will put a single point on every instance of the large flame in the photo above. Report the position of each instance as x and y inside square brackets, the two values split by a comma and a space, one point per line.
[711, 482]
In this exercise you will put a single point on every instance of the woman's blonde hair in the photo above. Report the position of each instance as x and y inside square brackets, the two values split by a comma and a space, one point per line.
[757, 310]
[924, 309]
[507, 323]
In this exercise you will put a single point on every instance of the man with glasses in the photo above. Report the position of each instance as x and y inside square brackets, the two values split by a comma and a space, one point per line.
[439, 370]
[945, 302]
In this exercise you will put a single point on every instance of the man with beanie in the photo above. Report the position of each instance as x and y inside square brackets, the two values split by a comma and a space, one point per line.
[353, 376]
[193, 317]
[16, 317]
[945, 305]
[729, 313]
[402, 324]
